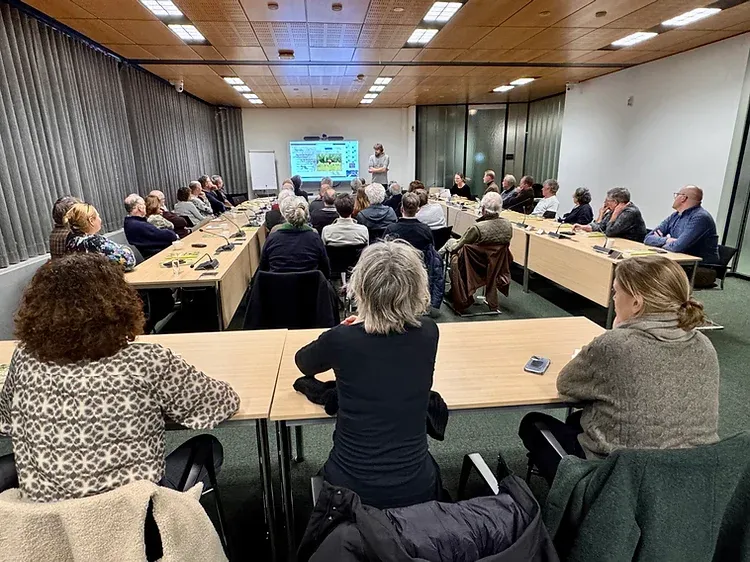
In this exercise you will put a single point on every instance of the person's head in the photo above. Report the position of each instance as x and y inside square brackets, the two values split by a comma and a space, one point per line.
[153, 205]
[616, 196]
[527, 182]
[424, 197]
[61, 207]
[416, 184]
[344, 205]
[489, 176]
[509, 182]
[83, 218]
[492, 204]
[287, 184]
[459, 179]
[581, 196]
[361, 201]
[195, 188]
[183, 194]
[688, 197]
[394, 188]
[409, 204]
[356, 183]
[550, 188]
[325, 183]
[375, 193]
[217, 181]
[378, 149]
[135, 206]
[329, 197]
[295, 211]
[205, 182]
[655, 285]
[297, 182]
[389, 285]
[159, 195]
[100, 314]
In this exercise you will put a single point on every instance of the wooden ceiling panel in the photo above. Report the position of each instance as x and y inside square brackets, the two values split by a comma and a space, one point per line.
[554, 38]
[207, 52]
[563, 56]
[211, 10]
[483, 55]
[598, 38]
[438, 55]
[621, 55]
[384, 11]
[543, 13]
[371, 55]
[384, 36]
[655, 13]
[483, 12]
[281, 34]
[417, 70]
[60, 9]
[331, 54]
[668, 41]
[326, 70]
[111, 9]
[185, 70]
[222, 70]
[613, 10]
[724, 19]
[523, 55]
[710, 37]
[367, 70]
[288, 11]
[145, 32]
[507, 37]
[453, 36]
[130, 51]
[333, 35]
[320, 11]
[173, 52]
[97, 30]
[289, 71]
[301, 52]
[453, 70]
[241, 53]
[228, 34]
[252, 71]
[406, 55]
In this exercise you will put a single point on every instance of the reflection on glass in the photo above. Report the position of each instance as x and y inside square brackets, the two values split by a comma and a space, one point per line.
[440, 143]
[485, 147]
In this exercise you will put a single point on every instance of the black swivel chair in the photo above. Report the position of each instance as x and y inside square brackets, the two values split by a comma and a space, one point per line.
[342, 260]
[726, 255]
[376, 234]
[441, 235]
[549, 215]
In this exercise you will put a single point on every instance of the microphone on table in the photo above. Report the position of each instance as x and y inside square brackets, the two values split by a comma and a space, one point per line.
[240, 233]
[226, 247]
[556, 233]
[212, 263]
[603, 249]
[522, 224]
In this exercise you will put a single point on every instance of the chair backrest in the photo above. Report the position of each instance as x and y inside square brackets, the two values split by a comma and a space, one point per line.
[549, 214]
[376, 234]
[146, 252]
[343, 258]
[726, 253]
[441, 235]
[188, 220]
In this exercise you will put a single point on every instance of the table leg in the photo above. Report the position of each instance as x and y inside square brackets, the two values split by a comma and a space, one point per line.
[526, 267]
[610, 313]
[219, 315]
[693, 273]
[285, 452]
[264, 460]
[299, 445]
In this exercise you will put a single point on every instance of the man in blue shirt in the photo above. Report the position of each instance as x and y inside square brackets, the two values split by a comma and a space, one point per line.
[140, 233]
[690, 230]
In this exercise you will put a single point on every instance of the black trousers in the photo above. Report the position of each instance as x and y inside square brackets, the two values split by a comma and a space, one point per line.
[541, 453]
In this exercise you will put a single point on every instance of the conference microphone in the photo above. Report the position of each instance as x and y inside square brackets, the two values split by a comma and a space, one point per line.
[240, 233]
[603, 249]
[212, 263]
[556, 233]
[226, 247]
[522, 224]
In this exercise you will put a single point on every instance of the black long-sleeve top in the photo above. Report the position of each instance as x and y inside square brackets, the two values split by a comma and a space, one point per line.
[290, 250]
[383, 384]
[464, 191]
[582, 214]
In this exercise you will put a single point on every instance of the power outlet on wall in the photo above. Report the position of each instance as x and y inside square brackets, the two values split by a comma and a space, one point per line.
[631, 99]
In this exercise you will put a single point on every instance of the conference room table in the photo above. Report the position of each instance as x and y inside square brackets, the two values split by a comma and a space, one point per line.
[571, 261]
[229, 280]
[479, 366]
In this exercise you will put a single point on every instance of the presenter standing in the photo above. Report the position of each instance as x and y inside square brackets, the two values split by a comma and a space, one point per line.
[378, 165]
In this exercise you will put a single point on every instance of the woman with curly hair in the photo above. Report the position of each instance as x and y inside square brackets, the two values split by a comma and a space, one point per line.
[86, 407]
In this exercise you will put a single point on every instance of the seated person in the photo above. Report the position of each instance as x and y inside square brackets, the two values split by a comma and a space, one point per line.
[220, 190]
[345, 231]
[326, 214]
[217, 206]
[489, 182]
[317, 203]
[618, 217]
[384, 362]
[461, 188]
[550, 202]
[432, 214]
[376, 216]
[85, 223]
[356, 184]
[186, 208]
[360, 201]
[509, 186]
[298, 191]
[409, 227]
[106, 395]
[581, 213]
[394, 201]
[59, 235]
[415, 185]
[179, 223]
[294, 246]
[650, 383]
[140, 233]
[153, 213]
[522, 198]
[690, 229]
[490, 228]
[274, 216]
[199, 199]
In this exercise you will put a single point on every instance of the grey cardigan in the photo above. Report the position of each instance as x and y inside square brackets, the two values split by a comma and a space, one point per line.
[629, 224]
[647, 384]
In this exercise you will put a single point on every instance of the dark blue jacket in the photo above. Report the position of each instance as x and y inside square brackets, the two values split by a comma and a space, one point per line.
[692, 232]
[146, 237]
[290, 250]
[579, 215]
[216, 206]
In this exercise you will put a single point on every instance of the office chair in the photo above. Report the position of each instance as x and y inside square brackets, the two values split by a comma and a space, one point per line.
[376, 234]
[342, 260]
[441, 235]
[726, 255]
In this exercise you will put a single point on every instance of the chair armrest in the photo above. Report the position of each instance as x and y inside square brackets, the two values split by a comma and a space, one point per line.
[316, 484]
[475, 461]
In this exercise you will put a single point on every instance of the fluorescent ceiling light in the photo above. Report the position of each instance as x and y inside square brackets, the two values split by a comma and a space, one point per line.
[503, 88]
[162, 8]
[383, 81]
[366, 100]
[691, 16]
[377, 88]
[370, 96]
[243, 88]
[635, 38]
[256, 102]
[187, 33]
[422, 36]
[522, 81]
[441, 12]
[251, 96]
[233, 80]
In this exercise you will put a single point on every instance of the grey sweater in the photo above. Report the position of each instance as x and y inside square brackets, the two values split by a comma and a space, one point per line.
[629, 224]
[647, 384]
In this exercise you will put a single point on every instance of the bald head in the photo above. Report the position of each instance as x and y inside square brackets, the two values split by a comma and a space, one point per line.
[159, 195]
[688, 197]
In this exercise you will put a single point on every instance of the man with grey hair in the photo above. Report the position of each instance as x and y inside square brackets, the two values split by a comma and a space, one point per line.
[618, 217]
[509, 184]
[317, 203]
[208, 192]
[550, 203]
[490, 228]
[142, 234]
[199, 198]
[356, 183]
[327, 214]
[522, 198]
[377, 216]
[394, 201]
[220, 190]
[275, 216]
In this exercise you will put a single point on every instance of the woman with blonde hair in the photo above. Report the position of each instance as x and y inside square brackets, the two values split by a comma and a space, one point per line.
[650, 383]
[294, 246]
[85, 223]
[361, 202]
[384, 361]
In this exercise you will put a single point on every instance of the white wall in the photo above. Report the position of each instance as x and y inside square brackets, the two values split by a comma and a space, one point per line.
[272, 129]
[678, 131]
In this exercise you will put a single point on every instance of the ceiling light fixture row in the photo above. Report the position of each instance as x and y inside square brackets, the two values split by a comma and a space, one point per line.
[437, 16]
[175, 20]
[683, 19]
[375, 89]
[516, 82]
[239, 85]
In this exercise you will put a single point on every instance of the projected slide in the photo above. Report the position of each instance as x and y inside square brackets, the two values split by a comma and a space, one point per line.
[313, 160]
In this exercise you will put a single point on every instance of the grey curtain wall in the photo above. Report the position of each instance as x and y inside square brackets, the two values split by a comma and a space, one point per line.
[544, 136]
[74, 121]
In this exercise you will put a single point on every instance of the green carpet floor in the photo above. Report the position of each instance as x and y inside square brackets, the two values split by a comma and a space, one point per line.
[486, 433]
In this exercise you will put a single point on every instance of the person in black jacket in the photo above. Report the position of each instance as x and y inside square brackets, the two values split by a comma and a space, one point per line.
[461, 188]
[410, 228]
[384, 362]
[522, 200]
[325, 215]
[298, 191]
[394, 201]
[216, 205]
[582, 212]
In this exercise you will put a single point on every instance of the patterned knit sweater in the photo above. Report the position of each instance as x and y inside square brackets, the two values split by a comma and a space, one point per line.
[85, 428]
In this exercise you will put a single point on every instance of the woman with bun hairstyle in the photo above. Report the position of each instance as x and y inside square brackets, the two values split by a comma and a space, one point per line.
[294, 246]
[650, 383]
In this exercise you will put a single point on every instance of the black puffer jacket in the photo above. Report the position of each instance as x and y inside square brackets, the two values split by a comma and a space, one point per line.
[502, 528]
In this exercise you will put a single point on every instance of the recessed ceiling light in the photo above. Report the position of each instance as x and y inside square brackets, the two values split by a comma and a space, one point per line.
[366, 100]
[634, 39]
[256, 102]
[188, 33]
[522, 81]
[600, 14]
[233, 80]
[441, 12]
[384, 81]
[370, 96]
[251, 96]
[242, 88]
[162, 8]
[286, 54]
[377, 88]
[337, 6]
[398, 9]
[545, 13]
[691, 16]
[273, 5]
[422, 36]
[503, 88]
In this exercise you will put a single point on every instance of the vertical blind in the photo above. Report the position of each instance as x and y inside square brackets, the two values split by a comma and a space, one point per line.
[76, 122]
[544, 137]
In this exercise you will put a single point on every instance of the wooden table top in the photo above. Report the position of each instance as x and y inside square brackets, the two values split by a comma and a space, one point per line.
[479, 364]
[151, 273]
[247, 360]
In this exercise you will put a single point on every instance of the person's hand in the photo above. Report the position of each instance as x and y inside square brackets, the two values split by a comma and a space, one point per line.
[584, 227]
[618, 210]
[370, 169]
[349, 320]
[603, 211]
